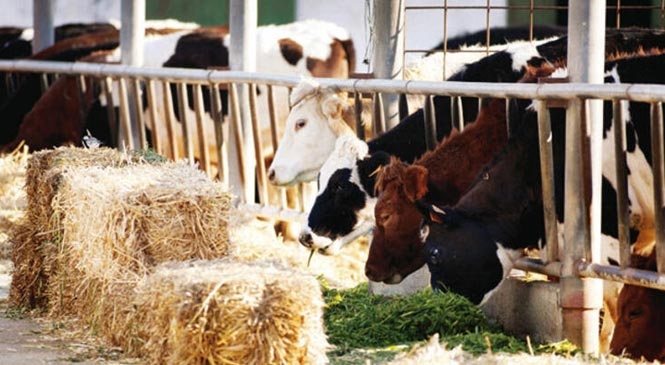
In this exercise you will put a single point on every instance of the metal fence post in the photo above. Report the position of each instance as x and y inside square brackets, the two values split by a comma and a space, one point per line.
[43, 14]
[581, 298]
[388, 58]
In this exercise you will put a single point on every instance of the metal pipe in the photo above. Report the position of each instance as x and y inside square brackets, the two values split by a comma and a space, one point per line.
[379, 116]
[43, 16]
[621, 183]
[81, 88]
[566, 91]
[204, 155]
[658, 161]
[186, 128]
[168, 114]
[358, 112]
[243, 16]
[237, 137]
[125, 140]
[152, 112]
[630, 276]
[547, 181]
[132, 33]
[262, 180]
[581, 299]
[138, 113]
[430, 123]
[220, 136]
[107, 87]
[388, 59]
[274, 134]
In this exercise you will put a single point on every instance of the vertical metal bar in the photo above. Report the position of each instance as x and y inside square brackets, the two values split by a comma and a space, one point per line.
[81, 90]
[43, 82]
[258, 148]
[132, 34]
[238, 137]
[186, 128]
[43, 16]
[243, 15]
[220, 136]
[272, 114]
[430, 123]
[658, 161]
[379, 118]
[621, 183]
[445, 37]
[581, 299]
[138, 113]
[274, 134]
[126, 142]
[460, 113]
[358, 112]
[152, 112]
[388, 60]
[170, 123]
[107, 87]
[204, 155]
[547, 180]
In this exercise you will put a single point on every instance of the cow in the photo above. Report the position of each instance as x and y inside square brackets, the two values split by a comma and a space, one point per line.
[469, 247]
[640, 329]
[295, 161]
[282, 49]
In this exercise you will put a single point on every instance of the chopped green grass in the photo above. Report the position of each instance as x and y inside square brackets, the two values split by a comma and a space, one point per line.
[355, 319]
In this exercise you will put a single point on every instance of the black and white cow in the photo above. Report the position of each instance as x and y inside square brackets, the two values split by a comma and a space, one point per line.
[406, 140]
[470, 247]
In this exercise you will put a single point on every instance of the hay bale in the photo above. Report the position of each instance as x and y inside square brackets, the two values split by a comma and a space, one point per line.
[115, 224]
[12, 196]
[32, 240]
[227, 312]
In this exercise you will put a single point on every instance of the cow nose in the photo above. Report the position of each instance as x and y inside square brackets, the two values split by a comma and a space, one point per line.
[434, 256]
[305, 239]
[271, 175]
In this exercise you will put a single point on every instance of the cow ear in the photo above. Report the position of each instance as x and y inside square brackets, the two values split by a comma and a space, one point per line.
[333, 107]
[430, 212]
[415, 182]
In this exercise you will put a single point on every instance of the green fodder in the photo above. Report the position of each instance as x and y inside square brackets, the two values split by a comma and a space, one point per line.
[355, 318]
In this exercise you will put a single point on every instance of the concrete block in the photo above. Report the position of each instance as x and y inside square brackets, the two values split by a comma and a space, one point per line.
[527, 308]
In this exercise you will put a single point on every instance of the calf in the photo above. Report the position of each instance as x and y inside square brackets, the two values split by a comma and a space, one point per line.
[640, 329]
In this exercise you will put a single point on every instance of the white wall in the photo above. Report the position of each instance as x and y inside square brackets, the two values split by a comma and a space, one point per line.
[19, 12]
[424, 28]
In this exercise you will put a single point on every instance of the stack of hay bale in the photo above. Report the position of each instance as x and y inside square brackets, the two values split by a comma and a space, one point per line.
[138, 248]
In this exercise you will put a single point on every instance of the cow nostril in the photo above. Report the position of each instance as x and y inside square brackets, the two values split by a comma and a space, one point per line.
[306, 239]
[434, 256]
[271, 175]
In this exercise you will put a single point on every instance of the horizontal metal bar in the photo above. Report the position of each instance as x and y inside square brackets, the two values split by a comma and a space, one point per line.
[273, 212]
[629, 276]
[537, 265]
[634, 92]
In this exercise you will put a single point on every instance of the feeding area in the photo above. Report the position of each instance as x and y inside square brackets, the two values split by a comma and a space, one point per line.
[177, 193]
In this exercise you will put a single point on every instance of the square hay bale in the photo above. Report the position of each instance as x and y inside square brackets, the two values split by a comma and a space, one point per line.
[12, 196]
[115, 224]
[31, 239]
[226, 312]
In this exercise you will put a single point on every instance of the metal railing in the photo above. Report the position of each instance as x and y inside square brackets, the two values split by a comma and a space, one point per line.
[213, 79]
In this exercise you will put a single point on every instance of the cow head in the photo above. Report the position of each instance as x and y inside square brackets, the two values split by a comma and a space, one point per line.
[640, 329]
[461, 255]
[344, 207]
[313, 125]
[396, 249]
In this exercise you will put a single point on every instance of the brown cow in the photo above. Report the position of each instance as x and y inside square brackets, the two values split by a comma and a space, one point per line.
[442, 176]
[640, 330]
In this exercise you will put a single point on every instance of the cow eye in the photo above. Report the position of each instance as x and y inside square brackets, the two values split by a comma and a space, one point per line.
[300, 123]
[634, 313]
[424, 232]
